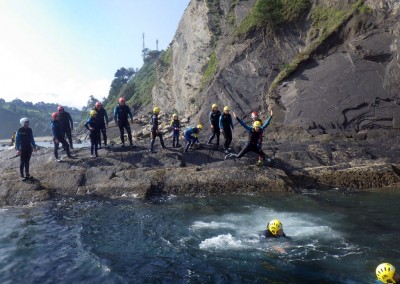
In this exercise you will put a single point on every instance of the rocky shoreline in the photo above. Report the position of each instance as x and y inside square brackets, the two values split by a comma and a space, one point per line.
[362, 161]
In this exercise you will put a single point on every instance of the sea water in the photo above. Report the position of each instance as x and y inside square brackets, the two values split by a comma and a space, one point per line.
[335, 237]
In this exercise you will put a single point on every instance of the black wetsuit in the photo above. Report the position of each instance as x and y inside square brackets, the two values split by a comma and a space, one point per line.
[226, 124]
[214, 121]
[24, 144]
[94, 134]
[268, 234]
[121, 114]
[155, 132]
[67, 125]
[254, 141]
[58, 134]
[101, 125]
[176, 126]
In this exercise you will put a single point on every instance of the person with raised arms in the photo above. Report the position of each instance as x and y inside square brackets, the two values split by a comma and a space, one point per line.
[254, 142]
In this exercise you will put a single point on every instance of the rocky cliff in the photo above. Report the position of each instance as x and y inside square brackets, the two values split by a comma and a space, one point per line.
[333, 69]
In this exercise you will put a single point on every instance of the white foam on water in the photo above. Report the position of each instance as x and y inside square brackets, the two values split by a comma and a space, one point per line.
[242, 231]
[211, 225]
[222, 242]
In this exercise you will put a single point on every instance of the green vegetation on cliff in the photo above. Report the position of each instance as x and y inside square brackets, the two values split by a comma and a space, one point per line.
[136, 85]
[325, 21]
[271, 13]
[210, 70]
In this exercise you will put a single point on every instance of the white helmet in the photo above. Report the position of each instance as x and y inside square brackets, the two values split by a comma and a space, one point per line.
[23, 120]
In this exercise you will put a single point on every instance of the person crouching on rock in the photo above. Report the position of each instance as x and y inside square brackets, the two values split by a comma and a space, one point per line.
[255, 139]
[24, 144]
[92, 125]
[192, 136]
[58, 136]
[175, 127]
[154, 129]
[386, 273]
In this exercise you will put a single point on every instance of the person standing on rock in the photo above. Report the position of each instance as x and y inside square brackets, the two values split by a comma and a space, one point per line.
[93, 126]
[67, 124]
[154, 129]
[254, 142]
[58, 136]
[101, 115]
[215, 114]
[226, 124]
[192, 136]
[175, 127]
[121, 114]
[24, 144]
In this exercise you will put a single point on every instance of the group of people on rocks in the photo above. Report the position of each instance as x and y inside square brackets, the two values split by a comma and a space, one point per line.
[97, 123]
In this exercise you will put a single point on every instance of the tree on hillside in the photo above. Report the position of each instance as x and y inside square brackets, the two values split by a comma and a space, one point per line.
[121, 77]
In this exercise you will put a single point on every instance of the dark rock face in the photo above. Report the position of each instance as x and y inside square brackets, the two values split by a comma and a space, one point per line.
[352, 90]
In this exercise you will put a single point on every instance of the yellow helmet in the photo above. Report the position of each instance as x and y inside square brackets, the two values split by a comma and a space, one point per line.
[385, 272]
[199, 126]
[256, 124]
[214, 106]
[226, 108]
[174, 115]
[274, 226]
[156, 110]
[93, 113]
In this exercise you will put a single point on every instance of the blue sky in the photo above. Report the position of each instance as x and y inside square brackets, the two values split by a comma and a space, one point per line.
[63, 51]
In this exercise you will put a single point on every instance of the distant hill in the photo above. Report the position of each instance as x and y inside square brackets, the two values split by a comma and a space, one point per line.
[39, 115]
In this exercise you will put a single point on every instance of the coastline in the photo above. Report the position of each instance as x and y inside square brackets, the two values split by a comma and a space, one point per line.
[126, 172]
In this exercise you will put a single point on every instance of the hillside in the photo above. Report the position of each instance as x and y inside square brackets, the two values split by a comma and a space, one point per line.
[39, 115]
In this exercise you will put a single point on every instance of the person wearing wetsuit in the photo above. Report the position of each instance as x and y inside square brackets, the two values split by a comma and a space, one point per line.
[226, 124]
[58, 136]
[192, 136]
[215, 114]
[101, 115]
[175, 127]
[254, 141]
[24, 144]
[386, 273]
[274, 230]
[67, 124]
[93, 126]
[121, 114]
[154, 129]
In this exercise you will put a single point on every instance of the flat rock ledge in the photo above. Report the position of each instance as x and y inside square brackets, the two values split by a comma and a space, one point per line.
[137, 173]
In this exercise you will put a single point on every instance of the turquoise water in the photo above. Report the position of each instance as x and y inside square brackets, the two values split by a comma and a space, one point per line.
[336, 237]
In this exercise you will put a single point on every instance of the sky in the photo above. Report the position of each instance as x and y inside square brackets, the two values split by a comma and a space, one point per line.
[63, 51]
